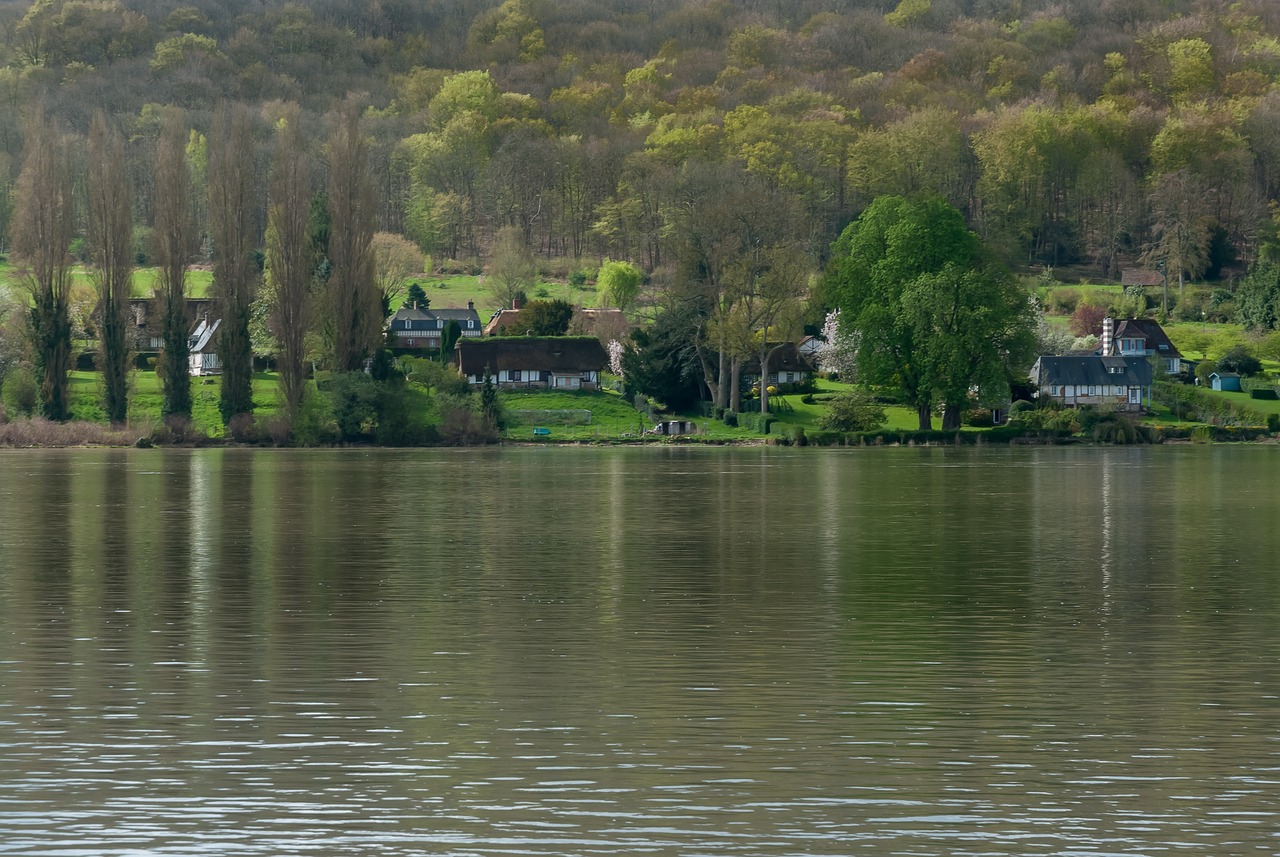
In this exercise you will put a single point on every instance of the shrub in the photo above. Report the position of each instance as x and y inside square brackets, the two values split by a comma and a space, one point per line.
[242, 429]
[354, 397]
[855, 410]
[1063, 301]
[1239, 360]
[314, 425]
[730, 419]
[756, 422]
[21, 390]
[978, 418]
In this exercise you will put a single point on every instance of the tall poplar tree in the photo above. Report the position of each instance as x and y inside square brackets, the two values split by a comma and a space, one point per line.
[110, 212]
[353, 289]
[290, 259]
[173, 230]
[235, 275]
[43, 226]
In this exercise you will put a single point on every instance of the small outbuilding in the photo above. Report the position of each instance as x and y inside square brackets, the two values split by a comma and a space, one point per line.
[1226, 381]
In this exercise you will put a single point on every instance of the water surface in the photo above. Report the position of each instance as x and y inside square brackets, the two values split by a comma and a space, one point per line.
[642, 651]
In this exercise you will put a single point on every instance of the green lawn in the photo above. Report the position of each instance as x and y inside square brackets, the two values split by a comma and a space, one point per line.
[145, 399]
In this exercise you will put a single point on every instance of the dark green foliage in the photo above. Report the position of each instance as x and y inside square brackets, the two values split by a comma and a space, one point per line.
[236, 351]
[545, 318]
[355, 398]
[1258, 297]
[490, 406]
[171, 364]
[51, 334]
[1265, 393]
[854, 410]
[756, 422]
[1240, 361]
[449, 339]
[661, 361]
[417, 297]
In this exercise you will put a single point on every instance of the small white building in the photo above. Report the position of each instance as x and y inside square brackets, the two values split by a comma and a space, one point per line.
[202, 354]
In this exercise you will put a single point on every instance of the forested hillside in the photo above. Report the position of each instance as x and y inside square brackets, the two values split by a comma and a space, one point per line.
[1087, 132]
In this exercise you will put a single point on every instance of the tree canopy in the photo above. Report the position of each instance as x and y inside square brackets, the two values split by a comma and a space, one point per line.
[934, 316]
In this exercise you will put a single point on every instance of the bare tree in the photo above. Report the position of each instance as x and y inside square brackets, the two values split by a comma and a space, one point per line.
[43, 226]
[396, 259]
[353, 291]
[235, 274]
[290, 260]
[110, 212]
[173, 230]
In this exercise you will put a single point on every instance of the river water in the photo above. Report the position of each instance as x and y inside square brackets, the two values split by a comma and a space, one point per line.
[666, 651]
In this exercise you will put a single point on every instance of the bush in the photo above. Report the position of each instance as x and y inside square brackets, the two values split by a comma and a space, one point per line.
[1239, 360]
[20, 390]
[242, 429]
[978, 418]
[1062, 301]
[756, 422]
[1265, 393]
[354, 397]
[314, 424]
[855, 410]
[1022, 405]
[730, 419]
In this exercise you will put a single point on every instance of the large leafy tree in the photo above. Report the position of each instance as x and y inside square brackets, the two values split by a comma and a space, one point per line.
[933, 314]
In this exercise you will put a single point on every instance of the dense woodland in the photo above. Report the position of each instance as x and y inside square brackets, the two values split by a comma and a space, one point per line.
[1084, 132]
[712, 144]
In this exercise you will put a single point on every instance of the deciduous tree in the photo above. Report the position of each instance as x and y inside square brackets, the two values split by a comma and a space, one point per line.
[43, 224]
[110, 211]
[353, 291]
[232, 206]
[173, 231]
[290, 258]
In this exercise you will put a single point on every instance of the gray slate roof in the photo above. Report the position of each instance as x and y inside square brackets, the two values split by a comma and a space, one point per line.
[1090, 370]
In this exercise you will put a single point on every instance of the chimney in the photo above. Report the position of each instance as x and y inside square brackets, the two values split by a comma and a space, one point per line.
[1108, 336]
[516, 303]
[415, 304]
[471, 305]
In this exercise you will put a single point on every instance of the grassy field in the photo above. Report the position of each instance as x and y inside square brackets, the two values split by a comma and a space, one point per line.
[455, 291]
[198, 283]
[145, 399]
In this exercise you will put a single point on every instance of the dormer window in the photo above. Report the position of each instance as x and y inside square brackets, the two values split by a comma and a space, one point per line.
[408, 324]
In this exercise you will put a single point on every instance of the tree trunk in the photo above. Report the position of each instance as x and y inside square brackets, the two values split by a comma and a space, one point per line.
[926, 415]
[735, 386]
[951, 418]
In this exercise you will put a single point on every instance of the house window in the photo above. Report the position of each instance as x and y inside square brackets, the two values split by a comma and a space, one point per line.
[1055, 390]
[515, 375]
[440, 323]
[408, 324]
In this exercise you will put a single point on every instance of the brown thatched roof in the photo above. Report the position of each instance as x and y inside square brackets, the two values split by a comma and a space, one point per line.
[542, 353]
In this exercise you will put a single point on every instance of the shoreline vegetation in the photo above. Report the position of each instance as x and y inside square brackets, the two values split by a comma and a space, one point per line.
[546, 418]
